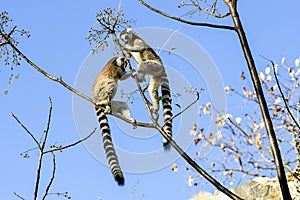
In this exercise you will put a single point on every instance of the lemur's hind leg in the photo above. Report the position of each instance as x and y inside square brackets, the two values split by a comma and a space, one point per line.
[153, 92]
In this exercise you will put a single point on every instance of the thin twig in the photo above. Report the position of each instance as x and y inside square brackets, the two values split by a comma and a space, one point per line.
[41, 156]
[238, 170]
[59, 80]
[211, 13]
[281, 93]
[71, 145]
[166, 42]
[4, 43]
[19, 196]
[185, 109]
[48, 125]
[135, 123]
[27, 131]
[12, 31]
[253, 142]
[38, 175]
[185, 21]
[52, 177]
[199, 169]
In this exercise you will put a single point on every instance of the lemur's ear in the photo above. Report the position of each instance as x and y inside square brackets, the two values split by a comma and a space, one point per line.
[129, 30]
[120, 61]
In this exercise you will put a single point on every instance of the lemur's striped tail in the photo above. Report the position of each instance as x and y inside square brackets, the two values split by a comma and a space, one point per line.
[111, 155]
[167, 109]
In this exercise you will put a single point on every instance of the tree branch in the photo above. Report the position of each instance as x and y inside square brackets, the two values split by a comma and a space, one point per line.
[40, 161]
[282, 95]
[185, 21]
[19, 196]
[52, 177]
[257, 145]
[141, 124]
[59, 80]
[260, 96]
[27, 131]
[48, 125]
[180, 150]
[185, 109]
[211, 13]
[38, 175]
[70, 145]
[238, 170]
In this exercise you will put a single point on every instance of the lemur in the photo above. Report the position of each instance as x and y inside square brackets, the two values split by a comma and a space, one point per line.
[103, 91]
[149, 63]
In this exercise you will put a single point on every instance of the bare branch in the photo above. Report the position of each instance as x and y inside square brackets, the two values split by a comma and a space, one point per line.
[212, 12]
[180, 150]
[186, 21]
[52, 177]
[70, 145]
[282, 95]
[59, 80]
[19, 196]
[4, 43]
[27, 131]
[185, 109]
[232, 5]
[238, 170]
[11, 32]
[199, 169]
[48, 125]
[253, 142]
[38, 175]
[40, 161]
[141, 124]
[63, 194]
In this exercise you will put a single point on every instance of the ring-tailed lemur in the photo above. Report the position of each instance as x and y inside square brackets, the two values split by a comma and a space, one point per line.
[103, 91]
[150, 63]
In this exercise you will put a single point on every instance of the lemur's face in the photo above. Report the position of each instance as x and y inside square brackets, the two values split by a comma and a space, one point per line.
[126, 35]
[122, 63]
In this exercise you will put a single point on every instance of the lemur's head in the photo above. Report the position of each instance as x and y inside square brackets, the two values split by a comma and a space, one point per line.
[122, 63]
[126, 35]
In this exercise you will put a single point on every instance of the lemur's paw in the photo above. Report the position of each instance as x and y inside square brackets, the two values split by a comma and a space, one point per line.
[107, 110]
[133, 121]
[141, 77]
[154, 108]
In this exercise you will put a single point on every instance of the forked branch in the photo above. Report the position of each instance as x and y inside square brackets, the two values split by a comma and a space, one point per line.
[183, 20]
[41, 146]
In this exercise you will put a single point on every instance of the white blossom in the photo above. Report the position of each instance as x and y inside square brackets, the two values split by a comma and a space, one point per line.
[261, 76]
[282, 60]
[297, 62]
[269, 78]
[267, 70]
[238, 120]
[190, 181]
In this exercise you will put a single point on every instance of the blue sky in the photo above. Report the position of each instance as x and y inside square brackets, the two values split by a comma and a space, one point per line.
[57, 44]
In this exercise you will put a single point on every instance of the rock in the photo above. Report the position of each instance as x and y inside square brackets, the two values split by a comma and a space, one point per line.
[261, 188]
